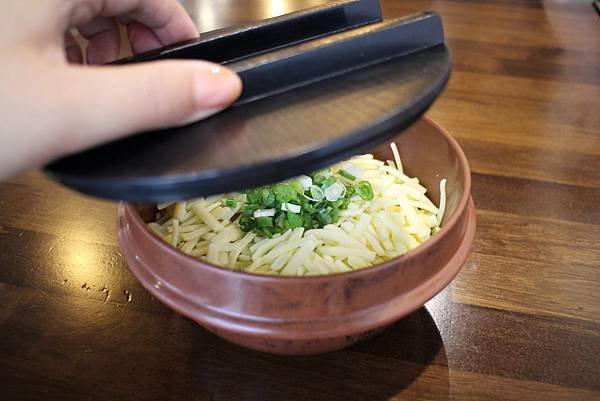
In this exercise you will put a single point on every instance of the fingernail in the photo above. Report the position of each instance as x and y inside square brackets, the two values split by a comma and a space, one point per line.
[216, 86]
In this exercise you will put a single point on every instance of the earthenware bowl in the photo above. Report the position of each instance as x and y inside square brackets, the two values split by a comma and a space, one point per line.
[307, 315]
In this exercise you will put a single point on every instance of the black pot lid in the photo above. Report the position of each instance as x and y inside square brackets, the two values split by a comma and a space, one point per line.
[320, 85]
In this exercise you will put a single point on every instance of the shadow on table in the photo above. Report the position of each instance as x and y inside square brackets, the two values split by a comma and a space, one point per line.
[408, 357]
[64, 347]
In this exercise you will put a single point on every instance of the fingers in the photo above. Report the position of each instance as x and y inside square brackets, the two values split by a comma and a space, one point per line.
[104, 40]
[141, 38]
[150, 24]
[116, 101]
[72, 49]
[167, 19]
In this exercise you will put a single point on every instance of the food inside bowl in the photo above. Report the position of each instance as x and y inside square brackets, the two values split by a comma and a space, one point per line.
[352, 215]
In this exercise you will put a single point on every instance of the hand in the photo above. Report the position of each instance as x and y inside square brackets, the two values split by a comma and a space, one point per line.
[51, 106]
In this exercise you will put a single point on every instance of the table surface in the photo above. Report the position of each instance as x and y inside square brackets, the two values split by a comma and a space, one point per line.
[520, 322]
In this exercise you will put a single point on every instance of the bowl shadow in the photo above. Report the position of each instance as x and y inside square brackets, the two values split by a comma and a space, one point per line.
[409, 356]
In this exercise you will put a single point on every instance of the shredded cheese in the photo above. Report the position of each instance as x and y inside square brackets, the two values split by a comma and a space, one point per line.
[368, 232]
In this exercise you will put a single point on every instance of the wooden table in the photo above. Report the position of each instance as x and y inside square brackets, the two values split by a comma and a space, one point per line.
[520, 322]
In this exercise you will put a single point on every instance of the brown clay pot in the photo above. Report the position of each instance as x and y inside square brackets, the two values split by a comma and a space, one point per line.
[307, 315]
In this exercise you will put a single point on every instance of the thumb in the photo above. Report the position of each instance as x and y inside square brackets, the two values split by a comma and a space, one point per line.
[116, 101]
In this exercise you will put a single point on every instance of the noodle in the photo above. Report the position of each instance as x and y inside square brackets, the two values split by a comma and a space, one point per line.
[396, 218]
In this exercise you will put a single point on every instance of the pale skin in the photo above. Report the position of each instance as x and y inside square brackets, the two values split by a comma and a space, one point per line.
[51, 105]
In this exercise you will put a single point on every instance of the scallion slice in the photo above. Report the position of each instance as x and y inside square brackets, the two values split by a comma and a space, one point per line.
[347, 175]
[335, 191]
[329, 181]
[264, 222]
[305, 181]
[352, 170]
[264, 213]
[316, 194]
[364, 190]
[290, 207]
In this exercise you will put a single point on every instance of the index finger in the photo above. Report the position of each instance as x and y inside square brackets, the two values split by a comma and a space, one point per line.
[167, 19]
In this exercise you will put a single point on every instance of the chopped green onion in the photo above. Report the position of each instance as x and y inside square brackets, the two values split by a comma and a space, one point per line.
[318, 179]
[252, 197]
[335, 191]
[267, 197]
[264, 213]
[264, 222]
[290, 207]
[335, 214]
[349, 191]
[329, 181]
[352, 169]
[276, 208]
[320, 205]
[305, 181]
[284, 193]
[307, 222]
[364, 190]
[316, 193]
[347, 175]
[297, 186]
[324, 217]
[294, 220]
[231, 203]
[280, 222]
[305, 204]
[247, 223]
[249, 209]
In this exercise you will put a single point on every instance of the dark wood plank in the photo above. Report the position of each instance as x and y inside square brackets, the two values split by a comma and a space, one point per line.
[525, 80]
[575, 169]
[543, 25]
[518, 60]
[180, 359]
[496, 342]
[533, 198]
[72, 268]
[33, 202]
[526, 111]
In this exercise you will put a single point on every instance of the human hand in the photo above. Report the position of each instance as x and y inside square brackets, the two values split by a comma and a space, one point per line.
[51, 106]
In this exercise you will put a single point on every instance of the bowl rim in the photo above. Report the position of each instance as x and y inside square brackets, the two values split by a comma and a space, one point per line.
[398, 260]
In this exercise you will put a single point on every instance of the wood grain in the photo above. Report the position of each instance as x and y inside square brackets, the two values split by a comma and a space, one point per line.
[530, 265]
[520, 322]
[524, 86]
[179, 359]
[535, 198]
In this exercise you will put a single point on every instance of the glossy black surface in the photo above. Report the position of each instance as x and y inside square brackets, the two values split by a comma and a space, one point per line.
[343, 53]
[264, 141]
[229, 44]
[303, 107]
